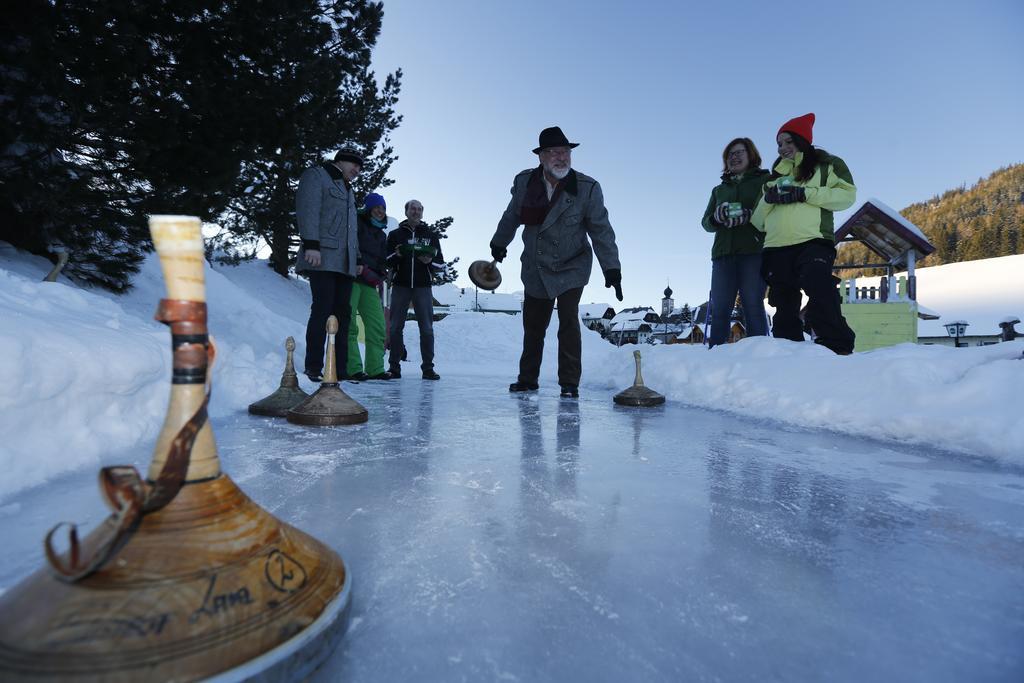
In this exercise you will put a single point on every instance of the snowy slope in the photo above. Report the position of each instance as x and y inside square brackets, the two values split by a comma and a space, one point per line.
[85, 372]
[981, 292]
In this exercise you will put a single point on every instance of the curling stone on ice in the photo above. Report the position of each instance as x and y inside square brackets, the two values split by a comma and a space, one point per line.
[485, 275]
[329, 405]
[288, 395]
[638, 394]
[188, 578]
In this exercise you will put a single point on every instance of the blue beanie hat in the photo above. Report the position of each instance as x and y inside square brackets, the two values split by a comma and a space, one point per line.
[373, 199]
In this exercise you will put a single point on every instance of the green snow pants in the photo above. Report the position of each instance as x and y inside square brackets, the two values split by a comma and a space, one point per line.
[366, 302]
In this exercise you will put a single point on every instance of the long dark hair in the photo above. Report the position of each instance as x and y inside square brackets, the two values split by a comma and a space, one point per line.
[811, 157]
[752, 154]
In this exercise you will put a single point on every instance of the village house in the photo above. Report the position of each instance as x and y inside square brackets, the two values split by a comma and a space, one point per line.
[632, 326]
[597, 317]
[696, 331]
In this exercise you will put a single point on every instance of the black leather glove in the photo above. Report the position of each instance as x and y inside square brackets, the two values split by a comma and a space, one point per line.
[794, 194]
[771, 195]
[613, 278]
[498, 253]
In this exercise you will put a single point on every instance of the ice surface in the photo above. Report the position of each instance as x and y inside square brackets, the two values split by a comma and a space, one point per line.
[526, 538]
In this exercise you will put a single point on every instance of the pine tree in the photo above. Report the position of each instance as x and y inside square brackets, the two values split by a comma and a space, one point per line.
[965, 223]
[118, 109]
[449, 274]
[67, 181]
[311, 93]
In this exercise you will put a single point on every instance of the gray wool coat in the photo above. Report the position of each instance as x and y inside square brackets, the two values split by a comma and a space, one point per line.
[557, 254]
[325, 209]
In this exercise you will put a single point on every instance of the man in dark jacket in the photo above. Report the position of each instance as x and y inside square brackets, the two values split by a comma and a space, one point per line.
[414, 256]
[373, 221]
[325, 209]
[560, 208]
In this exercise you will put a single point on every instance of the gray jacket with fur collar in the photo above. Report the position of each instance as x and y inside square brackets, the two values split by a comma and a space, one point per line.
[325, 209]
[557, 254]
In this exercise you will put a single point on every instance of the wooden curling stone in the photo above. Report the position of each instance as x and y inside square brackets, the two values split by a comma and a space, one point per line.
[638, 394]
[288, 395]
[485, 275]
[330, 405]
[188, 579]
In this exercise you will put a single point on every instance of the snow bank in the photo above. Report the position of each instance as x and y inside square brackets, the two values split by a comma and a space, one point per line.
[85, 373]
[955, 399]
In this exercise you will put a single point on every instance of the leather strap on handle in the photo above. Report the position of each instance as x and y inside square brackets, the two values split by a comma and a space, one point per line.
[127, 494]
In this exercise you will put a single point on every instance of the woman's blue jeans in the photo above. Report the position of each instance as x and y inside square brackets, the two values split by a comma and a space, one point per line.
[729, 275]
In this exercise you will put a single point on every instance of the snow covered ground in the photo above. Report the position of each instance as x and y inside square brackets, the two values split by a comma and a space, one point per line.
[85, 372]
[981, 292]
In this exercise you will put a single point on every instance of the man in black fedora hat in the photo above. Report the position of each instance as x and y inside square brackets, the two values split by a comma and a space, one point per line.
[560, 209]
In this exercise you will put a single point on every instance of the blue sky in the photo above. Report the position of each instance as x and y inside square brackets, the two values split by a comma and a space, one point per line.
[917, 97]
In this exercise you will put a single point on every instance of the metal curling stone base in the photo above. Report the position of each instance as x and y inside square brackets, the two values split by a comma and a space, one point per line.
[639, 397]
[329, 406]
[484, 276]
[278, 403]
[298, 658]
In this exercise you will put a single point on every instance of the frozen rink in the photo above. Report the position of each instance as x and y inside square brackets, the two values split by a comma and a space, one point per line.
[501, 537]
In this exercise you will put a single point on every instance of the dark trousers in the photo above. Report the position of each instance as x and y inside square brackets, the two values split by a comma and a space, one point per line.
[331, 295]
[807, 267]
[423, 306]
[729, 275]
[536, 316]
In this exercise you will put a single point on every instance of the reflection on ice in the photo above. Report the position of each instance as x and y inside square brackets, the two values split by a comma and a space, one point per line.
[532, 538]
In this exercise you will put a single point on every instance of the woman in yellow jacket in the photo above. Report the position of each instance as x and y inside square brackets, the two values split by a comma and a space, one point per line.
[796, 215]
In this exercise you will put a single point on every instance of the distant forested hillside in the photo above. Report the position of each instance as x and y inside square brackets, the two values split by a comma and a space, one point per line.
[966, 224]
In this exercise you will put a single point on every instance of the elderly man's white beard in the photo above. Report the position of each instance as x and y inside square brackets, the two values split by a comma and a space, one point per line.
[557, 173]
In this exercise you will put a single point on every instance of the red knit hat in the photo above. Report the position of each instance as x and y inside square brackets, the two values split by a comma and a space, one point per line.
[801, 125]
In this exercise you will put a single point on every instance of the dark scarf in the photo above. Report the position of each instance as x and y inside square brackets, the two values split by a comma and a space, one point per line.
[536, 203]
[335, 173]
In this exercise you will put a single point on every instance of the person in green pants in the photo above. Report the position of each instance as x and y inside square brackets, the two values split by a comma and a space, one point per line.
[366, 301]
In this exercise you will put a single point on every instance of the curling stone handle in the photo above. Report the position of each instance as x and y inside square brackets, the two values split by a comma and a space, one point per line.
[179, 244]
[289, 363]
[62, 260]
[639, 380]
[331, 364]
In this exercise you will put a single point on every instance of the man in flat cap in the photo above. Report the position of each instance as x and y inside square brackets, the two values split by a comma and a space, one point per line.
[325, 209]
[560, 209]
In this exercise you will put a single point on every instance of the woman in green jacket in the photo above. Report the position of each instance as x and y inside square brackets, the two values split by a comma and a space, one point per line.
[796, 215]
[736, 254]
